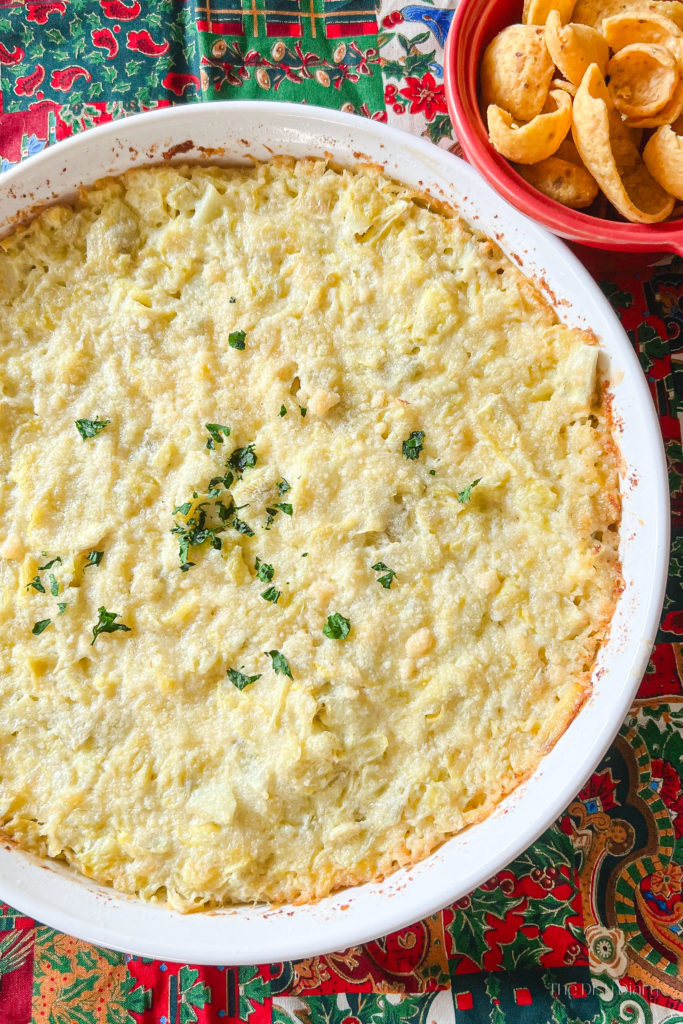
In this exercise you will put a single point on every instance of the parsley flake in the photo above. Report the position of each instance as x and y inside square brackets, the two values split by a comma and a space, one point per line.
[54, 586]
[239, 680]
[91, 428]
[242, 458]
[271, 594]
[62, 607]
[106, 624]
[283, 410]
[280, 663]
[40, 627]
[216, 430]
[303, 412]
[94, 558]
[387, 579]
[242, 527]
[337, 627]
[283, 487]
[236, 340]
[214, 488]
[284, 507]
[36, 584]
[412, 446]
[194, 532]
[465, 495]
[264, 571]
[232, 299]
[183, 509]
[48, 565]
[432, 472]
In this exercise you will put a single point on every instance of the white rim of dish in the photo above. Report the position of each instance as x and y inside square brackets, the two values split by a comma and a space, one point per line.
[250, 935]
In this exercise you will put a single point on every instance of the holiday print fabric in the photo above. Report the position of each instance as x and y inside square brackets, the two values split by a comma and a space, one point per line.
[586, 925]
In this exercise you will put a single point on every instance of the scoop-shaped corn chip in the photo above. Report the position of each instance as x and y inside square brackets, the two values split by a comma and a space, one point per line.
[567, 151]
[529, 143]
[667, 115]
[516, 70]
[592, 12]
[663, 156]
[559, 83]
[574, 47]
[642, 79]
[607, 150]
[632, 27]
[536, 11]
[562, 180]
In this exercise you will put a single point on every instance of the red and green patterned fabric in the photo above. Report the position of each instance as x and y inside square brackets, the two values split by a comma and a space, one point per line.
[587, 925]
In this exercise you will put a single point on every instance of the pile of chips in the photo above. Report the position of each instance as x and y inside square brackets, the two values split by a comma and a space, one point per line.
[588, 95]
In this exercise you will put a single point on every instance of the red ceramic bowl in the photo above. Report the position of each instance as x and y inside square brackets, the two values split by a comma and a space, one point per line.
[475, 24]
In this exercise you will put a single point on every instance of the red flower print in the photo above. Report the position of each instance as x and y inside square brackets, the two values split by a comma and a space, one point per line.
[395, 18]
[426, 97]
[598, 793]
[666, 782]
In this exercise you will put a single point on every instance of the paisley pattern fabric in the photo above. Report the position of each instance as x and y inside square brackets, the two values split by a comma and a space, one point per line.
[586, 925]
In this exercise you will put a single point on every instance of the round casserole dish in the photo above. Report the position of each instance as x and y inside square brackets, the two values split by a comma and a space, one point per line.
[237, 133]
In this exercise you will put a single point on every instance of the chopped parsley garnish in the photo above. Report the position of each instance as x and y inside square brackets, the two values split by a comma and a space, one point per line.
[236, 339]
[106, 624]
[242, 527]
[195, 532]
[303, 412]
[183, 509]
[412, 446]
[264, 571]
[280, 663]
[432, 472]
[284, 507]
[216, 430]
[232, 298]
[385, 580]
[271, 594]
[337, 627]
[94, 558]
[48, 565]
[242, 458]
[465, 495]
[40, 627]
[239, 680]
[62, 607]
[215, 482]
[90, 428]
[283, 410]
[305, 554]
[283, 487]
[270, 518]
[54, 586]
[36, 584]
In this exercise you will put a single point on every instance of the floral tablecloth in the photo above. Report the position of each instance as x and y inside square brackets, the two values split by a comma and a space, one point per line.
[587, 925]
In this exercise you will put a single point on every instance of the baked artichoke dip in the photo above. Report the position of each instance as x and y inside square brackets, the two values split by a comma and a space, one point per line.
[308, 530]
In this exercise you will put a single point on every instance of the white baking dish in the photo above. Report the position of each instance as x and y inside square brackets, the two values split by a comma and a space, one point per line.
[236, 133]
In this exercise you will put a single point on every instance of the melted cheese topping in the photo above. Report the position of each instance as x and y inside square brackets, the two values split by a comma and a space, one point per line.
[135, 757]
